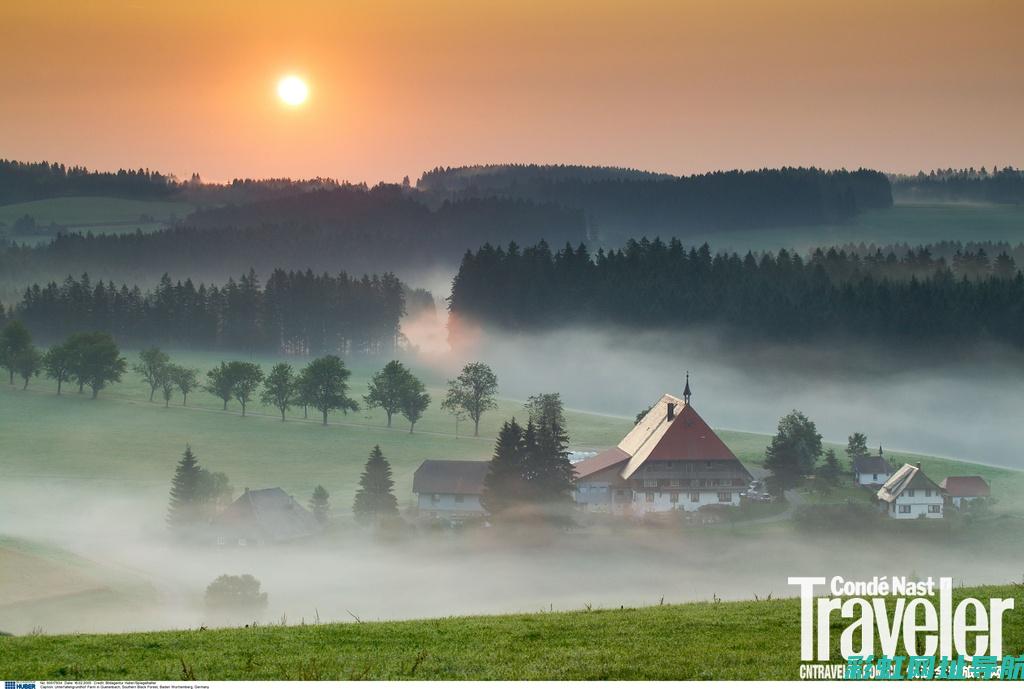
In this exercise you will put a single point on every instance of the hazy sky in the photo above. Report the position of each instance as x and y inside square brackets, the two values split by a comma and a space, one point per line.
[398, 87]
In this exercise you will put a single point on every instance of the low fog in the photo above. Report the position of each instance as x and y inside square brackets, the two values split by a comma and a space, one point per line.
[133, 576]
[964, 405]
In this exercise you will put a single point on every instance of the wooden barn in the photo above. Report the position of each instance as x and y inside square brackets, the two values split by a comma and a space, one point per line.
[263, 517]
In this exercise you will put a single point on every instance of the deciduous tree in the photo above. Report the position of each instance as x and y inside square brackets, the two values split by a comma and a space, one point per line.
[473, 392]
[324, 383]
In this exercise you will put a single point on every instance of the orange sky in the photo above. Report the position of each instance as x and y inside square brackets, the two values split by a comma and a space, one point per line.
[398, 87]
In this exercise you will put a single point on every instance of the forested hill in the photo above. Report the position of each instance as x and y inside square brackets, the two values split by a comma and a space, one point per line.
[915, 299]
[30, 181]
[350, 228]
[622, 203]
[1004, 185]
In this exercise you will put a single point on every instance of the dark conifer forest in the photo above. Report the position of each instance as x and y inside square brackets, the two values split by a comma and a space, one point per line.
[911, 299]
[1004, 185]
[295, 313]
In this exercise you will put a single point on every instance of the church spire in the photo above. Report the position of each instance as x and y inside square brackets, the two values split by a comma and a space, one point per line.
[686, 390]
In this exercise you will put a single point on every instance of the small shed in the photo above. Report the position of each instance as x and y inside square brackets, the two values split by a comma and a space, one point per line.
[964, 489]
[261, 517]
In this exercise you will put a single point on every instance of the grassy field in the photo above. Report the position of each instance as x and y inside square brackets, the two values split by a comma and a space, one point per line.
[743, 640]
[95, 214]
[122, 439]
[911, 223]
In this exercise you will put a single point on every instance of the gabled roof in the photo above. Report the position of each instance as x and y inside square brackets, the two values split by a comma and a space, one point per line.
[905, 477]
[686, 436]
[602, 460]
[450, 476]
[966, 487]
[268, 513]
[874, 464]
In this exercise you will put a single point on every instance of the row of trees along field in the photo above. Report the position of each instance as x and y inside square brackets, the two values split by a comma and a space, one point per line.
[297, 313]
[1000, 185]
[93, 359]
[27, 181]
[776, 296]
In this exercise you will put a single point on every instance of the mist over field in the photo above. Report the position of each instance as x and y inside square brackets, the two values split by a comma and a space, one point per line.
[142, 580]
[959, 405]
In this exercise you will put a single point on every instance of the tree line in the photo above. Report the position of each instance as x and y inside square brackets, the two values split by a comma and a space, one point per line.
[773, 296]
[619, 203]
[93, 359]
[1000, 185]
[296, 313]
[22, 181]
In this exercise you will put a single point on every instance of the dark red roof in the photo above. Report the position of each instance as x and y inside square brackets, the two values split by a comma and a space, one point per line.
[689, 437]
[965, 487]
[600, 462]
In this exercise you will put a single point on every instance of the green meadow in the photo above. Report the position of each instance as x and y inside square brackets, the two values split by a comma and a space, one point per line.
[96, 214]
[694, 641]
[124, 440]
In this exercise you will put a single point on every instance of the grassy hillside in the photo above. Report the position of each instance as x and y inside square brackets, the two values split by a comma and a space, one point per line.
[747, 640]
[123, 440]
[95, 214]
[912, 223]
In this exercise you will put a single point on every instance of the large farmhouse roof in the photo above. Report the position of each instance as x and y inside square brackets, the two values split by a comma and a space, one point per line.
[268, 513]
[965, 487]
[671, 430]
[450, 476]
[873, 464]
[907, 476]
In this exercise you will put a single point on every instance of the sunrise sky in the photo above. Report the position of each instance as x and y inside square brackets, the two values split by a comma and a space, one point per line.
[399, 87]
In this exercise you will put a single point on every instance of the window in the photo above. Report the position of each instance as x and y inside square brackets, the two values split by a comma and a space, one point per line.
[650, 483]
[673, 497]
[927, 492]
[904, 509]
[675, 483]
[435, 498]
[934, 509]
[650, 496]
[709, 465]
[725, 497]
[910, 492]
[459, 498]
[220, 540]
[242, 542]
[694, 497]
[874, 477]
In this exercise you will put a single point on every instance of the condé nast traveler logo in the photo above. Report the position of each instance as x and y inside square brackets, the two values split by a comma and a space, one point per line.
[901, 628]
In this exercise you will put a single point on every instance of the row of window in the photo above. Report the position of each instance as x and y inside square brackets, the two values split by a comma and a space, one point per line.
[911, 492]
[677, 483]
[694, 497]
[654, 467]
[932, 509]
[436, 498]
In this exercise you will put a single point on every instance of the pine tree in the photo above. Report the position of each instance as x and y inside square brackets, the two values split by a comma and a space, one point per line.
[319, 504]
[505, 484]
[375, 498]
[186, 503]
[830, 469]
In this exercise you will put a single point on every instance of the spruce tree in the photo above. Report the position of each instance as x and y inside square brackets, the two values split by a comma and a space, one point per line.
[551, 472]
[186, 500]
[319, 504]
[504, 484]
[375, 498]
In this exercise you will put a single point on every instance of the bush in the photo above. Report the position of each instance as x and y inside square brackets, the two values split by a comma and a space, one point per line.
[231, 592]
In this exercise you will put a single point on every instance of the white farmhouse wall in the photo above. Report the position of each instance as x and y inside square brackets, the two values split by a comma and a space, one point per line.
[918, 504]
[872, 479]
[447, 503]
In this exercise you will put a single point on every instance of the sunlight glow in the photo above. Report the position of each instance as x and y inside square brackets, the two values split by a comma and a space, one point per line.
[292, 90]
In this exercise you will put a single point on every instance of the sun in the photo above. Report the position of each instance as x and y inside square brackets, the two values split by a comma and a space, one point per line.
[292, 90]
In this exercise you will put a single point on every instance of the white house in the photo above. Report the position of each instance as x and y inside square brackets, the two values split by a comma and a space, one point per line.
[871, 470]
[960, 490]
[671, 460]
[909, 494]
[450, 489]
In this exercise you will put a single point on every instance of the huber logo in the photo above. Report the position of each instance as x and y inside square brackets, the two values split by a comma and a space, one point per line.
[895, 609]
[19, 685]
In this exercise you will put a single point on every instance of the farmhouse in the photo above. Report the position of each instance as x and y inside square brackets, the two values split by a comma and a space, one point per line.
[671, 460]
[261, 517]
[871, 470]
[909, 494]
[961, 490]
[449, 488]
